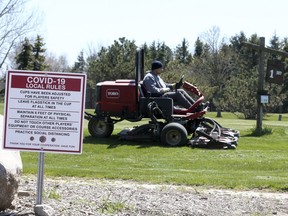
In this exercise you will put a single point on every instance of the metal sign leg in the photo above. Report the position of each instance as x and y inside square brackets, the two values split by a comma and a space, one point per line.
[40, 178]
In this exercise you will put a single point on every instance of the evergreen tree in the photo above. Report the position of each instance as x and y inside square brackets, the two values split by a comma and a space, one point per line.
[248, 56]
[115, 62]
[199, 48]
[31, 56]
[226, 73]
[80, 65]
[25, 58]
[152, 53]
[96, 67]
[182, 53]
[121, 59]
[160, 52]
[38, 53]
[252, 55]
[147, 60]
[275, 42]
[285, 86]
[165, 54]
[237, 42]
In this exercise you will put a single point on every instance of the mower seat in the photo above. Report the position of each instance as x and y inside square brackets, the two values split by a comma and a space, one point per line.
[165, 105]
[145, 93]
[142, 89]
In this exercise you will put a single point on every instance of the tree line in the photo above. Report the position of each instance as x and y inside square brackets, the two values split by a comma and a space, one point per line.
[225, 71]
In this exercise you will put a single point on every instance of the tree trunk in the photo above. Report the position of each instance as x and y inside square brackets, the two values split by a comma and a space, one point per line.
[219, 113]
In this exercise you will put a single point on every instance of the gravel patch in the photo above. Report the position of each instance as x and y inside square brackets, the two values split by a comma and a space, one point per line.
[80, 196]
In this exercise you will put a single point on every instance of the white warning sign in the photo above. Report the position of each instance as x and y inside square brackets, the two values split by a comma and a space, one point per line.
[44, 111]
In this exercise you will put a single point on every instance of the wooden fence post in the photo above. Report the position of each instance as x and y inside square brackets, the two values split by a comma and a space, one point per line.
[260, 84]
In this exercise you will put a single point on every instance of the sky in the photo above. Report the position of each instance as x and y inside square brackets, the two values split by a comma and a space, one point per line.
[70, 26]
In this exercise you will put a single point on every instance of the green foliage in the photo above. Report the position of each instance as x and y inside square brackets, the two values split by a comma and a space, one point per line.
[199, 48]
[2, 107]
[182, 53]
[32, 57]
[80, 65]
[158, 51]
[225, 72]
[212, 69]
[25, 59]
[219, 68]
[256, 132]
[278, 94]
[240, 94]
[115, 62]
[39, 54]
[112, 207]
[174, 70]
[53, 194]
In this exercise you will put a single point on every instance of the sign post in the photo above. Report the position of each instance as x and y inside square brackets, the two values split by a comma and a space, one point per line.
[260, 84]
[262, 49]
[40, 178]
[44, 112]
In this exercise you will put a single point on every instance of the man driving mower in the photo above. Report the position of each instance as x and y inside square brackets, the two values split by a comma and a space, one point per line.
[156, 87]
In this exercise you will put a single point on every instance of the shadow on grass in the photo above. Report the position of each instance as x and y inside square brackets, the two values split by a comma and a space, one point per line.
[255, 132]
[114, 141]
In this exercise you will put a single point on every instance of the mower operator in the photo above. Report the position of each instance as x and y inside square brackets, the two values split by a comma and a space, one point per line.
[158, 88]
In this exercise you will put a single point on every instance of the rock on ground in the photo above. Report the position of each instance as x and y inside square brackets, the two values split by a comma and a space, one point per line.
[10, 172]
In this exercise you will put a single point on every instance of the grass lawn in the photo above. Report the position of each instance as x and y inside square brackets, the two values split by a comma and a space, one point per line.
[1, 108]
[258, 162]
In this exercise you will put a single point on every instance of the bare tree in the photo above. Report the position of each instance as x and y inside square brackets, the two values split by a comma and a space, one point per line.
[216, 66]
[211, 38]
[15, 22]
[59, 64]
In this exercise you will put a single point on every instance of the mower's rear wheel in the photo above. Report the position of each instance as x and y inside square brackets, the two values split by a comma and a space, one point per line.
[174, 134]
[100, 128]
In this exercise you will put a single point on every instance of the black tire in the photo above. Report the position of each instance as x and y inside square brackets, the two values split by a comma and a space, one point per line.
[174, 134]
[100, 128]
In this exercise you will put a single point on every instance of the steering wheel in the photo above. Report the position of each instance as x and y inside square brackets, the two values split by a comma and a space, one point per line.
[180, 83]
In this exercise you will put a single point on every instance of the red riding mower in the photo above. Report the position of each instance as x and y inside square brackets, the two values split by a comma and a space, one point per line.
[127, 100]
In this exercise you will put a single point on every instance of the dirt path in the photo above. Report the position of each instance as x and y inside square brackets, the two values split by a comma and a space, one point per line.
[76, 196]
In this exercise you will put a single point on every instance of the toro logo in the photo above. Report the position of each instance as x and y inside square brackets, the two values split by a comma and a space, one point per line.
[112, 93]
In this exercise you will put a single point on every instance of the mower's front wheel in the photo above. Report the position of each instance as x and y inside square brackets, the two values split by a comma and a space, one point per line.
[174, 134]
[100, 128]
